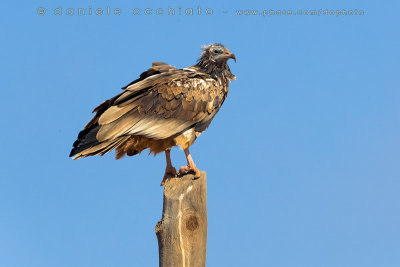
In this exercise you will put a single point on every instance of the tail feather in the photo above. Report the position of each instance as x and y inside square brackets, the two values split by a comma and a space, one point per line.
[101, 148]
[86, 139]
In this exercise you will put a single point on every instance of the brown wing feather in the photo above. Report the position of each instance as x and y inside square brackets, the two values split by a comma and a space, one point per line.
[157, 114]
[162, 103]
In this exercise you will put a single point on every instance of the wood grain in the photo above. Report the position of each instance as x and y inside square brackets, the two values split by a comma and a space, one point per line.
[182, 231]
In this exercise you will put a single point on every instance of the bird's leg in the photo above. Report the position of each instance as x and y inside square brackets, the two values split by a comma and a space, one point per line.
[191, 167]
[169, 170]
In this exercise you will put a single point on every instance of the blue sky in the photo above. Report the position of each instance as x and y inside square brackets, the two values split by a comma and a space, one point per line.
[302, 161]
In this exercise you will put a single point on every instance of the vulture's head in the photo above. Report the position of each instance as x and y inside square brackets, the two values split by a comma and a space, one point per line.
[216, 53]
[214, 59]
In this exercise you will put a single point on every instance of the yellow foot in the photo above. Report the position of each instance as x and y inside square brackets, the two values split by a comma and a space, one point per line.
[169, 172]
[186, 169]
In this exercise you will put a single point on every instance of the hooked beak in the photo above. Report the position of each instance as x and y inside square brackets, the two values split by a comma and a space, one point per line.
[233, 57]
[228, 55]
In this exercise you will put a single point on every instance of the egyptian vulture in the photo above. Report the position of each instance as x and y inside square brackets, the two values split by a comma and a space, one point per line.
[163, 108]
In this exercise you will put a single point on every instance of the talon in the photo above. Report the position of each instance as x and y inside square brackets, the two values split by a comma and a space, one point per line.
[187, 169]
[191, 167]
[169, 172]
[183, 169]
[196, 173]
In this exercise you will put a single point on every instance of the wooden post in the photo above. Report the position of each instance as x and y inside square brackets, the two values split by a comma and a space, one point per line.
[182, 231]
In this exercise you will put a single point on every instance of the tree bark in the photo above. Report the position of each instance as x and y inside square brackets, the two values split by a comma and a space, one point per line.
[182, 231]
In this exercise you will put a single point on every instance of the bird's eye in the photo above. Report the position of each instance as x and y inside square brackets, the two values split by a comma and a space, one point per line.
[216, 51]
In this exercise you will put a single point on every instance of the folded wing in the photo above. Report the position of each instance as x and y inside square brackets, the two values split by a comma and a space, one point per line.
[162, 103]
